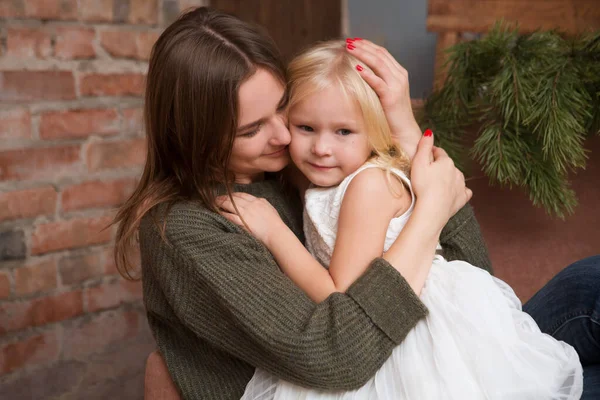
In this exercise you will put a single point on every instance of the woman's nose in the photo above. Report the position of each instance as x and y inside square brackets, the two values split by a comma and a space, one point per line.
[281, 134]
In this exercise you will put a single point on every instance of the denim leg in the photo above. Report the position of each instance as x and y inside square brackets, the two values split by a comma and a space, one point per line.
[568, 308]
[591, 382]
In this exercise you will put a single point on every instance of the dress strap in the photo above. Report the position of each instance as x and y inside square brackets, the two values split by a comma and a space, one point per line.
[397, 172]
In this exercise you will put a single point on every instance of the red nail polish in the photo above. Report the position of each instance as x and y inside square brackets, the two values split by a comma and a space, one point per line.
[428, 133]
[350, 47]
[359, 68]
[349, 40]
[358, 38]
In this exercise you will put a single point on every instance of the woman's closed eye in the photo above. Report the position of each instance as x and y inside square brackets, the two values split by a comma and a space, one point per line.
[252, 132]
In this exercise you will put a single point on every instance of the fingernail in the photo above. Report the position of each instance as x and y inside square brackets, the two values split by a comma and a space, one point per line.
[349, 40]
[359, 68]
[350, 47]
[358, 38]
[428, 133]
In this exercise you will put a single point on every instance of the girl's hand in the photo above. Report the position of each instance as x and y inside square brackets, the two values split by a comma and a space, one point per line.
[260, 216]
[390, 81]
[438, 184]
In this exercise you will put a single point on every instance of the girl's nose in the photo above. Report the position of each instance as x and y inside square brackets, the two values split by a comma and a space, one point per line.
[321, 147]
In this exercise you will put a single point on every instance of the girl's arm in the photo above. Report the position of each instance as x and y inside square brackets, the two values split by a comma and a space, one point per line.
[368, 206]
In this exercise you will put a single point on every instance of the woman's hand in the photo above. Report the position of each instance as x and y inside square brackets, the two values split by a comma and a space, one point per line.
[390, 81]
[260, 216]
[438, 184]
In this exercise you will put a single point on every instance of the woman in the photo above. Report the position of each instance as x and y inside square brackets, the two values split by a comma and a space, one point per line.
[217, 303]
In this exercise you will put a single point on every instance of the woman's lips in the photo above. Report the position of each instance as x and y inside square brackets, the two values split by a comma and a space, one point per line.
[277, 153]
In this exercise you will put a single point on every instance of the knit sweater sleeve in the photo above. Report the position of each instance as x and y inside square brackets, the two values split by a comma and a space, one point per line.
[461, 239]
[227, 289]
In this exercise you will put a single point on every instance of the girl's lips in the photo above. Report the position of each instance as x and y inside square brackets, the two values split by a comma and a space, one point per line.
[320, 167]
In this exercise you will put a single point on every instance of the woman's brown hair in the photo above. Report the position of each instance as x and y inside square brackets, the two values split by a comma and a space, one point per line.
[190, 113]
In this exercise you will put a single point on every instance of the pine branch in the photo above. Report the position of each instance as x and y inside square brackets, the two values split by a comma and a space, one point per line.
[535, 99]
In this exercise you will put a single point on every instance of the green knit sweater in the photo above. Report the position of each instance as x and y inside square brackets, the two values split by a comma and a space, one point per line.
[219, 306]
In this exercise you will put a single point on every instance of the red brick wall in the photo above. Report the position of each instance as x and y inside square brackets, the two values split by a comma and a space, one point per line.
[71, 149]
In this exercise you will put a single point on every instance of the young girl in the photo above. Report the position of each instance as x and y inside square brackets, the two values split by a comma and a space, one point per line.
[476, 343]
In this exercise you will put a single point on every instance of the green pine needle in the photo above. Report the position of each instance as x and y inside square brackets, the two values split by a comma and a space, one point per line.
[533, 99]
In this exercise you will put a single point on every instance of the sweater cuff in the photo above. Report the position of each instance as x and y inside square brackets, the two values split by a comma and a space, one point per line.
[457, 221]
[387, 298]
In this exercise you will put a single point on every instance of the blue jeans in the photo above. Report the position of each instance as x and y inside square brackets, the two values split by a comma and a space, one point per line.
[568, 308]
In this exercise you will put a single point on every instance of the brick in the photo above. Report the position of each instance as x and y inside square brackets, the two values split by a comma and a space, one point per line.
[128, 43]
[4, 285]
[99, 333]
[145, 42]
[15, 124]
[129, 84]
[74, 43]
[12, 9]
[96, 10]
[27, 203]
[29, 42]
[45, 383]
[119, 43]
[143, 12]
[121, 154]
[36, 85]
[39, 163]
[187, 4]
[74, 233]
[74, 124]
[110, 266]
[35, 278]
[51, 9]
[121, 10]
[133, 119]
[129, 386]
[114, 294]
[39, 349]
[97, 194]
[170, 11]
[12, 245]
[119, 361]
[80, 268]
[18, 315]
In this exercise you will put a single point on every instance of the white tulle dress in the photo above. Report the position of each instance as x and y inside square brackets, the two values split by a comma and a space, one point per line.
[476, 343]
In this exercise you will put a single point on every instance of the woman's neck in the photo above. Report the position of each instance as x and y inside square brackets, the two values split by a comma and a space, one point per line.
[248, 179]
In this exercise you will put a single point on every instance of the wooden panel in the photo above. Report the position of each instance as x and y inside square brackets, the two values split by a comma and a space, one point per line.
[444, 41]
[293, 24]
[570, 16]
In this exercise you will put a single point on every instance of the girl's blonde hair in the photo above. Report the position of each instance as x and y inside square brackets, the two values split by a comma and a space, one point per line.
[328, 63]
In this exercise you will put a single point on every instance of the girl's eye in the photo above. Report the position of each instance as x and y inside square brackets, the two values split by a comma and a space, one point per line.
[345, 132]
[305, 128]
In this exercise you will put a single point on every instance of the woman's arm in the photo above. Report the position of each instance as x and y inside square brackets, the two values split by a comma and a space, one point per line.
[227, 289]
[461, 239]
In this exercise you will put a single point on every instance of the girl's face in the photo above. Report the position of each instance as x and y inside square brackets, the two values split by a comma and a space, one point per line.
[329, 141]
[262, 138]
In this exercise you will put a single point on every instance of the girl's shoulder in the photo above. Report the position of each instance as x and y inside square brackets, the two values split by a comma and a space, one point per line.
[374, 177]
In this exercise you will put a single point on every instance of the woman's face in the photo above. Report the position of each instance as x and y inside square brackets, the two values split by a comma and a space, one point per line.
[262, 137]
